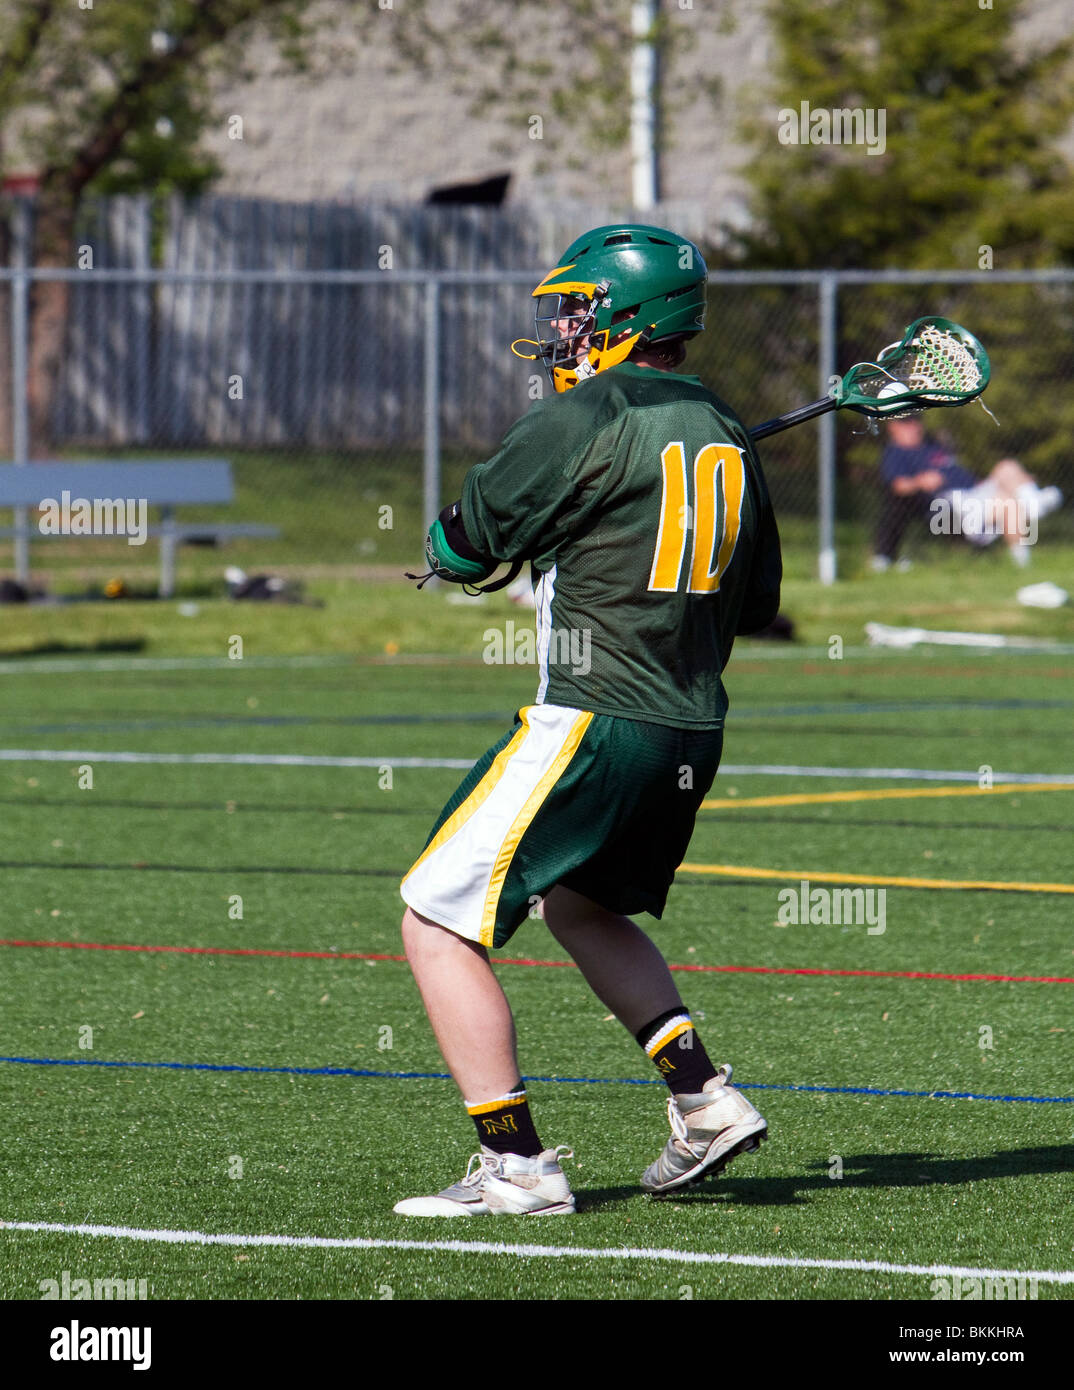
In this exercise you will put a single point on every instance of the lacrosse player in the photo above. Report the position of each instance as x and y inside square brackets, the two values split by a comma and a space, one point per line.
[638, 499]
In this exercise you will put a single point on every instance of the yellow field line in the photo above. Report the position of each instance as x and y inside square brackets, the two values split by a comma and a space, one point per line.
[882, 794]
[886, 880]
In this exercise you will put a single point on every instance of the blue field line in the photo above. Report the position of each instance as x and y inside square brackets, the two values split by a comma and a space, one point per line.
[954, 705]
[555, 1080]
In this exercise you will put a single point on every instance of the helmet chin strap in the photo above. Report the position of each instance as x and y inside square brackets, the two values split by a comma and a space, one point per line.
[542, 351]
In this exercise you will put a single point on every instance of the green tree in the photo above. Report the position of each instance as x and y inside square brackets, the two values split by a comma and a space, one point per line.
[113, 97]
[103, 96]
[970, 178]
[969, 159]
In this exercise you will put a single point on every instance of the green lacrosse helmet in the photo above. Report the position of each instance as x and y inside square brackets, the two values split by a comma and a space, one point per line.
[615, 289]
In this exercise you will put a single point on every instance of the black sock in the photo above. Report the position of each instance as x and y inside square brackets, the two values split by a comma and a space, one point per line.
[505, 1124]
[672, 1042]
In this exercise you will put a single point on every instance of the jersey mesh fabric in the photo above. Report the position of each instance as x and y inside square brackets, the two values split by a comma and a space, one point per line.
[577, 487]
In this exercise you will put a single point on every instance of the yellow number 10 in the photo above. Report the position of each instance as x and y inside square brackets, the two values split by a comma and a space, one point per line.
[718, 468]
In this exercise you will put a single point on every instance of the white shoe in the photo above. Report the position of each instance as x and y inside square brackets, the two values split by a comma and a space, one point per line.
[502, 1185]
[708, 1130]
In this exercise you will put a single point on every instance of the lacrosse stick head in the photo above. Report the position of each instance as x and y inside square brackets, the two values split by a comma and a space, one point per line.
[935, 363]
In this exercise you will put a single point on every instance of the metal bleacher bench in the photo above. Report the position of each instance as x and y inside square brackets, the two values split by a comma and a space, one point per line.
[167, 485]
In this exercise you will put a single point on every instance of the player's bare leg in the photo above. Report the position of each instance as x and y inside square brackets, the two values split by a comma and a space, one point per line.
[467, 1007]
[712, 1123]
[620, 964]
[473, 1025]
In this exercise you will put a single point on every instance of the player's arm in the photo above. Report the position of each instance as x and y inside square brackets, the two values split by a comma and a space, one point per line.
[540, 487]
[509, 508]
[760, 604]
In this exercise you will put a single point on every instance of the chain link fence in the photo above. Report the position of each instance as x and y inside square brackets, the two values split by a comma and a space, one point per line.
[338, 393]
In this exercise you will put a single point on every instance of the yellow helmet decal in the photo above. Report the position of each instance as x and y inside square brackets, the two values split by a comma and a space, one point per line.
[586, 287]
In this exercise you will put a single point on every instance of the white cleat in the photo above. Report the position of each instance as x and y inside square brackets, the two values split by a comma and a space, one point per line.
[502, 1185]
[708, 1130]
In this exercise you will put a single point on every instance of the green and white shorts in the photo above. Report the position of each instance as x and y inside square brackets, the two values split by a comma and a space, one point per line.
[598, 803]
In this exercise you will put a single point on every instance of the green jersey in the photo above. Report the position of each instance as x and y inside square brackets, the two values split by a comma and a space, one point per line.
[641, 503]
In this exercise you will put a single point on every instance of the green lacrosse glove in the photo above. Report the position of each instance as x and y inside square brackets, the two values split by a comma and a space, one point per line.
[452, 557]
[450, 554]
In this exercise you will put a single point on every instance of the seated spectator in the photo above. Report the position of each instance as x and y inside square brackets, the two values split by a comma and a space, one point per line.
[922, 478]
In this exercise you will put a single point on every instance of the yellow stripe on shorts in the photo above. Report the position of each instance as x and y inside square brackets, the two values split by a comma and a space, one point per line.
[475, 800]
[525, 818]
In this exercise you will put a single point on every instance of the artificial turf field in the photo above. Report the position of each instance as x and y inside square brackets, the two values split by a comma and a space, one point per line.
[260, 1046]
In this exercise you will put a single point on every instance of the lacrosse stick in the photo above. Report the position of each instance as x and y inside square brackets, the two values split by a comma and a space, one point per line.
[936, 363]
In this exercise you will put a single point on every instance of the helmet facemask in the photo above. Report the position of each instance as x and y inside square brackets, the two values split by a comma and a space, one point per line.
[565, 326]
[569, 342]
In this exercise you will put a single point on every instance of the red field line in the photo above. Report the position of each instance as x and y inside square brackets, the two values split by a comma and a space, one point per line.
[547, 964]
[209, 950]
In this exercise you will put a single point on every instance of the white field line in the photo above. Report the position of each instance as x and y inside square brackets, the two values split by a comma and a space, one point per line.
[575, 1252]
[60, 755]
[19, 665]
[82, 755]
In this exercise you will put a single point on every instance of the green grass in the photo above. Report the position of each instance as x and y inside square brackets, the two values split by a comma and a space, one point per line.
[156, 854]
[365, 610]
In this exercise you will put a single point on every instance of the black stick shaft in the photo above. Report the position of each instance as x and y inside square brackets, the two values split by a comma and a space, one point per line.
[794, 417]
